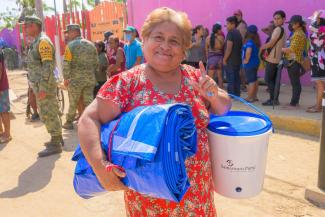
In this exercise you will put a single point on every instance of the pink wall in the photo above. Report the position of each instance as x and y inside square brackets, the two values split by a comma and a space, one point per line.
[207, 12]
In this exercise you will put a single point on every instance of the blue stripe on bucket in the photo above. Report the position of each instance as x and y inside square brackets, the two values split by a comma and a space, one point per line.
[239, 123]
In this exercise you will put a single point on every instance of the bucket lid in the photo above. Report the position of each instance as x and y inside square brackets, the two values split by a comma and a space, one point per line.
[239, 123]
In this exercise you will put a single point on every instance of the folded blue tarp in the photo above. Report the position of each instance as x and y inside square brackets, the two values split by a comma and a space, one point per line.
[151, 143]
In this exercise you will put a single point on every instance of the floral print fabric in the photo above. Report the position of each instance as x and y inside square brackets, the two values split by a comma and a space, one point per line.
[131, 89]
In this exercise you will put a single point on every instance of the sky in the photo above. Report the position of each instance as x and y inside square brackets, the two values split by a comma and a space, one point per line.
[8, 4]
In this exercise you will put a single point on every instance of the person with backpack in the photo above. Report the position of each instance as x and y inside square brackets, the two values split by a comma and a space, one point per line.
[294, 56]
[271, 53]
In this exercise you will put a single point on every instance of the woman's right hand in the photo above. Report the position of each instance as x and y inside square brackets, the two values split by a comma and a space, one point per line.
[110, 180]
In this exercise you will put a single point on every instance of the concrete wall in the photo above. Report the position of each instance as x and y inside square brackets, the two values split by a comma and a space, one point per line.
[207, 12]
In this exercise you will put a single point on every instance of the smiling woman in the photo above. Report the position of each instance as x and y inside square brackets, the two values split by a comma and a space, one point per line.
[162, 80]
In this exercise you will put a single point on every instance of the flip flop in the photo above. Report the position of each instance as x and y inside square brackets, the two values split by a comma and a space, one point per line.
[5, 139]
[313, 110]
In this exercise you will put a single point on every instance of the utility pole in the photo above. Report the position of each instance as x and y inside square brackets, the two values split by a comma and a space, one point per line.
[39, 9]
[321, 168]
[316, 195]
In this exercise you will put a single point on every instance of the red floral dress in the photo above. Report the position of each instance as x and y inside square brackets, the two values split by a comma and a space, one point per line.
[131, 89]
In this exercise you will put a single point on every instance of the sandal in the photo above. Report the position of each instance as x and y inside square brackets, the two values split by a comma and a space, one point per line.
[313, 110]
[310, 107]
[5, 139]
[249, 100]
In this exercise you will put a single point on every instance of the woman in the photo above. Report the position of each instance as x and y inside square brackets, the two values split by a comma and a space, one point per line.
[251, 61]
[214, 47]
[116, 57]
[5, 136]
[294, 55]
[101, 71]
[196, 52]
[317, 56]
[162, 80]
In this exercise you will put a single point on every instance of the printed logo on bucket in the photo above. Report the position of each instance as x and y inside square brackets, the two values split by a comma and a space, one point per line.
[229, 165]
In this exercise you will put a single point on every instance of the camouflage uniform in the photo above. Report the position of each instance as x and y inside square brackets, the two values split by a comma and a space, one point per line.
[80, 63]
[40, 64]
[10, 58]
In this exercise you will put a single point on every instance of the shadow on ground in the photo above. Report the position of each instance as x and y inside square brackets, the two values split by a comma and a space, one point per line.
[34, 178]
[70, 138]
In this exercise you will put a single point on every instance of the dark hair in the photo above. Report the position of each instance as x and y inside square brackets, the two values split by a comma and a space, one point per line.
[322, 22]
[196, 29]
[215, 28]
[207, 31]
[255, 37]
[281, 13]
[101, 46]
[233, 20]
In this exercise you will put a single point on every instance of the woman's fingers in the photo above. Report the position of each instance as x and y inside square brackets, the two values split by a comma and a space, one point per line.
[119, 173]
[202, 69]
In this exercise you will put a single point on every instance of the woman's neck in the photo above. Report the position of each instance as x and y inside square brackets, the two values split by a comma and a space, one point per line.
[162, 74]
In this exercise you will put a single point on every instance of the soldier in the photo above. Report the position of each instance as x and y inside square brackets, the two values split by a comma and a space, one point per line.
[41, 64]
[80, 63]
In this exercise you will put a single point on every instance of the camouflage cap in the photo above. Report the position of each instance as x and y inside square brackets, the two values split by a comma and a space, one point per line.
[72, 27]
[33, 19]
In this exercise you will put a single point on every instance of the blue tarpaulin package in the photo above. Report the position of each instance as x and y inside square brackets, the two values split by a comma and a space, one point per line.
[151, 143]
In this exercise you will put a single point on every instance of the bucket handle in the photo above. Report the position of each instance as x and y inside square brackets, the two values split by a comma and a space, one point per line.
[250, 105]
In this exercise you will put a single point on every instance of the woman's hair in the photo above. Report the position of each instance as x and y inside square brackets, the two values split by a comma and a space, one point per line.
[254, 37]
[164, 14]
[215, 28]
[197, 28]
[101, 46]
[115, 39]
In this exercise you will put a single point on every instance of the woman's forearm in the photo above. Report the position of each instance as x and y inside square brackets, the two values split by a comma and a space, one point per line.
[89, 136]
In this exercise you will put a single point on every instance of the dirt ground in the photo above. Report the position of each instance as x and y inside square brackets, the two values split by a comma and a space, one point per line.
[33, 187]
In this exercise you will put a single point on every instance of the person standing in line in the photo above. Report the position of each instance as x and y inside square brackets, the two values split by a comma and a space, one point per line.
[101, 71]
[214, 52]
[317, 57]
[242, 28]
[116, 59]
[251, 61]
[196, 52]
[41, 65]
[273, 48]
[294, 54]
[80, 63]
[132, 48]
[5, 135]
[232, 58]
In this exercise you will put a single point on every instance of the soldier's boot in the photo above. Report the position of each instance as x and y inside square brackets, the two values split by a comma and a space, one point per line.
[54, 139]
[51, 148]
[68, 125]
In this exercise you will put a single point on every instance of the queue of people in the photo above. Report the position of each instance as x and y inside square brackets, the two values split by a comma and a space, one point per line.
[234, 57]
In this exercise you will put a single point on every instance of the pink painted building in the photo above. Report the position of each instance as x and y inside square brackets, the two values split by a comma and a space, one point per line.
[208, 12]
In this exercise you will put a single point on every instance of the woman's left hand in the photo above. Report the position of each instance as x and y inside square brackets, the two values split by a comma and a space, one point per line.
[207, 87]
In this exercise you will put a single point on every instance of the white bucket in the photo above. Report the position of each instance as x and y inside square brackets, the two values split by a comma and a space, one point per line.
[238, 147]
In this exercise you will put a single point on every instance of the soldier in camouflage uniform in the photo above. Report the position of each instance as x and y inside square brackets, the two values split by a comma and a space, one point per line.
[40, 64]
[80, 63]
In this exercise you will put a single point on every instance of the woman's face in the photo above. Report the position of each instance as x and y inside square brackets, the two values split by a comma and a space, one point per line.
[163, 49]
[200, 31]
[112, 43]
